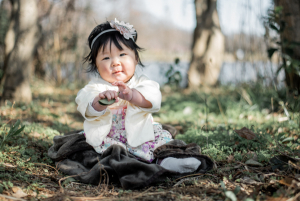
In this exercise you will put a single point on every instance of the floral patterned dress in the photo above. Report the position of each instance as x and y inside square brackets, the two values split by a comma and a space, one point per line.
[117, 135]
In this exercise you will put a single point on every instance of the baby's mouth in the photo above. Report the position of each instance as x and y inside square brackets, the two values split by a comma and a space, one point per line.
[116, 72]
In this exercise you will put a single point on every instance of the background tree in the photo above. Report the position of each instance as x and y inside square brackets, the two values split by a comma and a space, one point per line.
[290, 41]
[20, 42]
[208, 45]
[45, 45]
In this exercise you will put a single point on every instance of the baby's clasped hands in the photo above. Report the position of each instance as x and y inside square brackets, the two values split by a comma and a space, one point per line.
[105, 98]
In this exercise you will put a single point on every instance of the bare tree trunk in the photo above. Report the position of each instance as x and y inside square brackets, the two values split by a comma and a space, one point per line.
[39, 69]
[3, 29]
[290, 34]
[20, 42]
[208, 45]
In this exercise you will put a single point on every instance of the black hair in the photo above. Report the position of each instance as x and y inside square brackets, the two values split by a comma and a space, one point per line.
[113, 37]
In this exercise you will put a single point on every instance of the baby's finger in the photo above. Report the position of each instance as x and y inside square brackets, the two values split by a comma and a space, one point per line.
[119, 83]
[116, 83]
[108, 95]
[101, 96]
[115, 94]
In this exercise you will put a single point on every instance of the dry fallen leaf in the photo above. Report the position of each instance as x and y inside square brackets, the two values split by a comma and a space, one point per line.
[35, 134]
[254, 163]
[281, 198]
[248, 180]
[286, 181]
[15, 189]
[230, 159]
[18, 193]
[246, 133]
[9, 165]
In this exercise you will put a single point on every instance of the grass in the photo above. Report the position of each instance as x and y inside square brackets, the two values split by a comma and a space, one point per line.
[23, 159]
[210, 118]
[207, 117]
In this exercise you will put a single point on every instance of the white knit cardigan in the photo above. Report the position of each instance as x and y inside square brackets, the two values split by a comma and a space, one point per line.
[138, 121]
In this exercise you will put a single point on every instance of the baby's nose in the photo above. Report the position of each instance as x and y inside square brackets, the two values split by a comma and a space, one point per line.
[115, 62]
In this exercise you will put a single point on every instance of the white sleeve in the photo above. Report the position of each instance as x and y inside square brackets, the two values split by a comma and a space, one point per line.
[90, 111]
[151, 92]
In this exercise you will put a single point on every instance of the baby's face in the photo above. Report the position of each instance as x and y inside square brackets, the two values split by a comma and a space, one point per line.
[114, 64]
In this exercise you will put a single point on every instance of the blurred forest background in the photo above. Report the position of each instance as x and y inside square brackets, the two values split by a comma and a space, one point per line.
[57, 42]
[222, 65]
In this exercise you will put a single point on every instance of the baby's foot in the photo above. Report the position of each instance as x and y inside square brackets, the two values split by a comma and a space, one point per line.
[181, 165]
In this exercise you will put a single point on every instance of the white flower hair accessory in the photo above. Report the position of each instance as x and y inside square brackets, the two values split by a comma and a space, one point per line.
[125, 29]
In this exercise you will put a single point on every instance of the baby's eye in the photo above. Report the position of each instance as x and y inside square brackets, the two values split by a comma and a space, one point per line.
[105, 58]
[123, 54]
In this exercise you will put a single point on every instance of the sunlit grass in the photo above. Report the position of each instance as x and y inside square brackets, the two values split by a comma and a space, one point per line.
[210, 118]
[206, 117]
[52, 112]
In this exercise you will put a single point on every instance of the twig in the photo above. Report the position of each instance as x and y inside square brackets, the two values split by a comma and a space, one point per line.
[293, 165]
[187, 179]
[142, 193]
[100, 173]
[59, 182]
[58, 164]
[9, 165]
[245, 166]
[237, 173]
[198, 174]
[7, 122]
[89, 198]
[47, 166]
[105, 175]
[295, 198]
[279, 175]
[130, 198]
[43, 176]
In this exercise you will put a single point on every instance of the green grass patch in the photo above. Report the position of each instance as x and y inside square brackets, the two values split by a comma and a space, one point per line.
[209, 119]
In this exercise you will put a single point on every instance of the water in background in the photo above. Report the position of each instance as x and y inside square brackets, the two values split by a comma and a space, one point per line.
[231, 73]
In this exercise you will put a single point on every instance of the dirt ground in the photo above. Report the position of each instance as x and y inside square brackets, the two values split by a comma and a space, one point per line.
[229, 181]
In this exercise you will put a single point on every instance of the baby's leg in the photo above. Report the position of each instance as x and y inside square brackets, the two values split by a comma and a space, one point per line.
[181, 165]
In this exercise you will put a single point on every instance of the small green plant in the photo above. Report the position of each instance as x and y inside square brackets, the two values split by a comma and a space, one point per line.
[34, 187]
[173, 75]
[285, 48]
[6, 185]
[14, 131]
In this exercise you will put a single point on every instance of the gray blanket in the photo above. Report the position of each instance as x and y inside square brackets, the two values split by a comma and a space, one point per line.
[73, 156]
